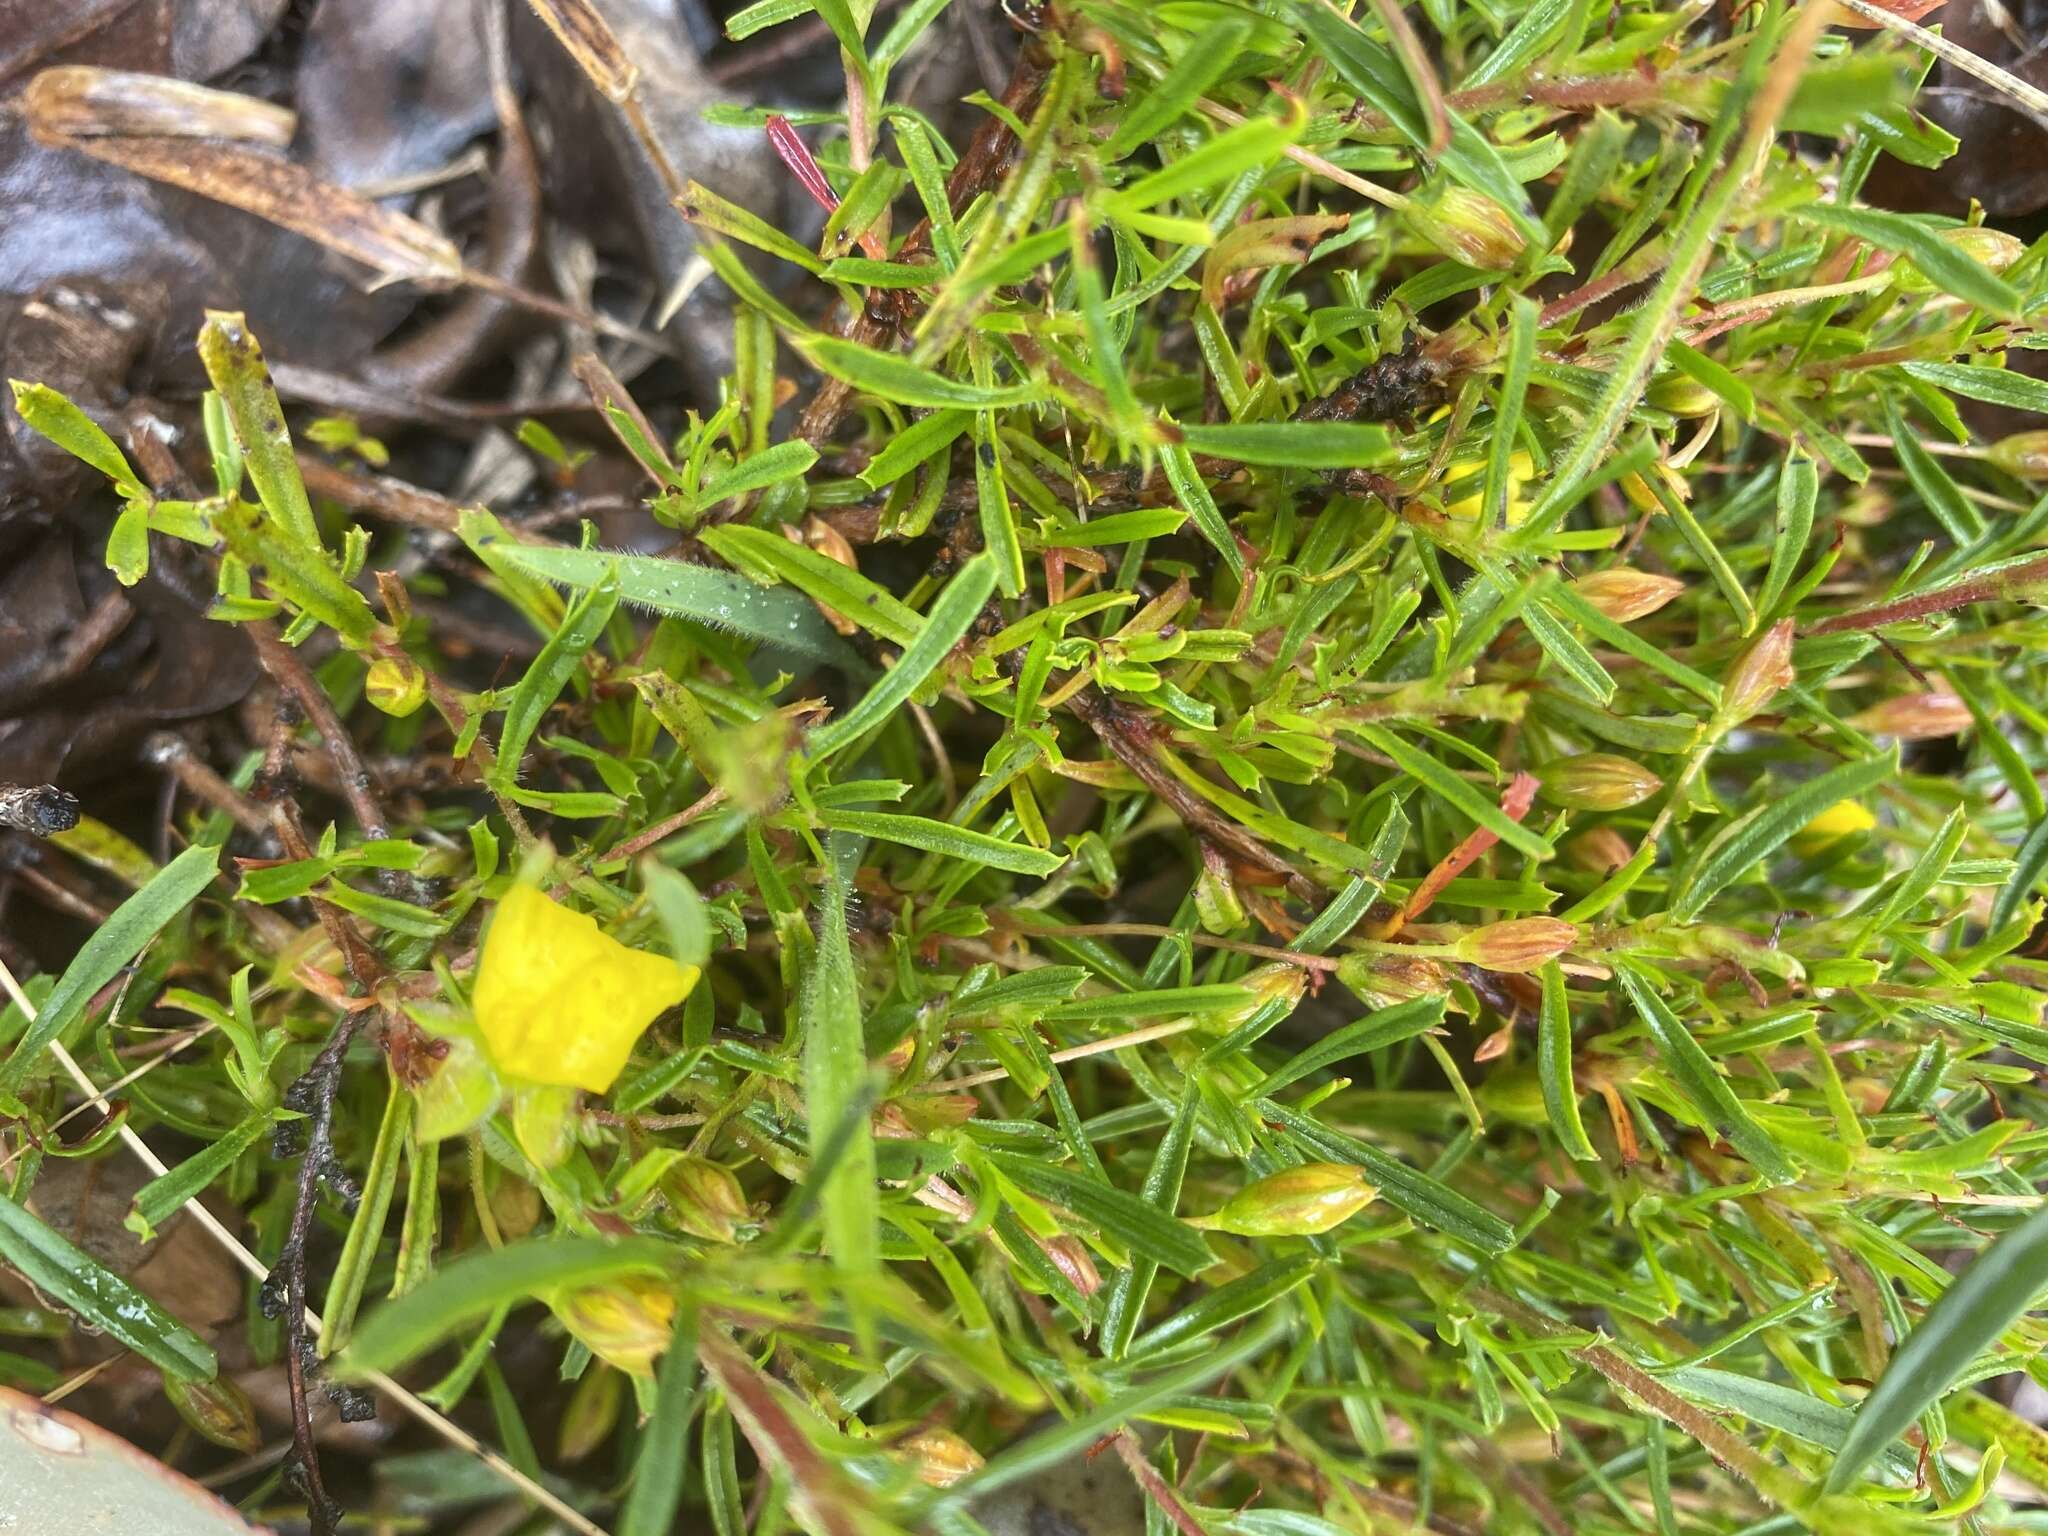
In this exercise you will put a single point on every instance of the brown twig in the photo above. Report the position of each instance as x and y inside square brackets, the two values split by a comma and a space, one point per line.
[1127, 735]
[171, 751]
[289, 672]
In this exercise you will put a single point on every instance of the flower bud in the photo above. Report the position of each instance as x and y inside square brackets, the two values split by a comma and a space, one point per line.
[217, 1409]
[592, 1414]
[1599, 851]
[1385, 979]
[1845, 818]
[1757, 675]
[1217, 906]
[1519, 944]
[939, 1457]
[1916, 717]
[1070, 1257]
[1625, 595]
[1597, 781]
[1683, 395]
[1296, 1202]
[704, 1199]
[1262, 986]
[624, 1322]
[2024, 455]
[1992, 248]
[1468, 227]
[396, 685]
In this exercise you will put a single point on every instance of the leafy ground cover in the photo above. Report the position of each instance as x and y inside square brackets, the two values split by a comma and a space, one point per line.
[1325, 786]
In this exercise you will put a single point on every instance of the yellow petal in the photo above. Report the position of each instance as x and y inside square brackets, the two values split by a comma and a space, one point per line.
[1841, 819]
[561, 1001]
[1520, 468]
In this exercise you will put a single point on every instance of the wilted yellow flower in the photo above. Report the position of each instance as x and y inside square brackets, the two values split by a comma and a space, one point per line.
[561, 1001]
[1844, 818]
[625, 1322]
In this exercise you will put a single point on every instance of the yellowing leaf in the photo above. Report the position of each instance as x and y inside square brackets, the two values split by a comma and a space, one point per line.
[561, 1001]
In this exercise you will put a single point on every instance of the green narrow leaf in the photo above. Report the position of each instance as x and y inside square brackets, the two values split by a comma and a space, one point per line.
[1375, 1032]
[1514, 390]
[1990, 1295]
[55, 417]
[366, 1228]
[113, 944]
[771, 466]
[946, 840]
[1554, 1068]
[998, 519]
[234, 363]
[887, 376]
[1124, 1306]
[2028, 863]
[1126, 1218]
[719, 599]
[1942, 497]
[1942, 264]
[1704, 1087]
[1208, 56]
[1454, 791]
[1994, 386]
[550, 673]
[98, 1297]
[952, 615]
[819, 577]
[1193, 492]
[1294, 444]
[661, 1466]
[1754, 837]
[158, 1200]
[1798, 489]
[835, 1076]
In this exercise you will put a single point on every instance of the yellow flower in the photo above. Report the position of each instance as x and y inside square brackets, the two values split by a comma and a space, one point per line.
[559, 1000]
[1520, 469]
[1842, 819]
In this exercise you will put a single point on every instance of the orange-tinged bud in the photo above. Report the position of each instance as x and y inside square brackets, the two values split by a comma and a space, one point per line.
[218, 1409]
[1757, 675]
[940, 1457]
[1519, 944]
[1599, 850]
[1069, 1255]
[1625, 595]
[1597, 781]
[1297, 1202]
[625, 1322]
[1916, 717]
[1468, 227]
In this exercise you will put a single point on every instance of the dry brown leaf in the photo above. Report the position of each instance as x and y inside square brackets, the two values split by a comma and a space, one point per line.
[78, 101]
